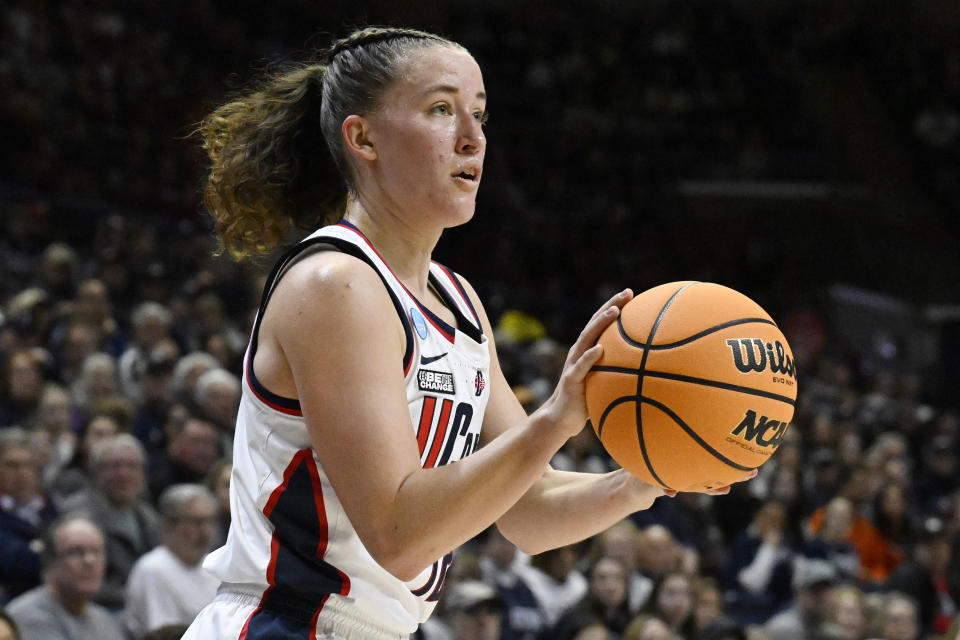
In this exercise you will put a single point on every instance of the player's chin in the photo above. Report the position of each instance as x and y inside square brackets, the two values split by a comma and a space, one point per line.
[461, 212]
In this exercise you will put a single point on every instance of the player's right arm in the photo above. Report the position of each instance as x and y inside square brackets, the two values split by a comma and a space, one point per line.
[331, 337]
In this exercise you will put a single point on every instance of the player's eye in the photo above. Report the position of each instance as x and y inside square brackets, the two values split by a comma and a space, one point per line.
[441, 109]
[482, 116]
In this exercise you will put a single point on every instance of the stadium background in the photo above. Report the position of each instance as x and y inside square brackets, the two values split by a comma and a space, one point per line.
[781, 150]
[806, 153]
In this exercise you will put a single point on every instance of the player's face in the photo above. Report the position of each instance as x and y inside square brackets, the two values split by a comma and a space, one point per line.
[429, 139]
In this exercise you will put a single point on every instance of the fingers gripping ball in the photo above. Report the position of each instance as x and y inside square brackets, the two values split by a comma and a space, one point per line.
[695, 388]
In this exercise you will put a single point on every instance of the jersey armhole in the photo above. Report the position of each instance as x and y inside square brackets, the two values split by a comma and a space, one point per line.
[292, 405]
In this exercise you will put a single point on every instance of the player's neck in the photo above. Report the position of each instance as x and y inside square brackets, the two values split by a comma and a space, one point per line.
[405, 248]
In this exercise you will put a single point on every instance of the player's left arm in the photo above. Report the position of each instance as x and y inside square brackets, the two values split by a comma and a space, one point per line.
[562, 507]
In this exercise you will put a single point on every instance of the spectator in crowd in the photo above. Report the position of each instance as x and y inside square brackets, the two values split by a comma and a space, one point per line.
[54, 420]
[474, 611]
[75, 475]
[649, 627]
[24, 382]
[660, 553]
[92, 305]
[192, 447]
[829, 538]
[847, 613]
[672, 602]
[622, 542]
[187, 371]
[115, 502]
[595, 631]
[97, 381]
[761, 566]
[217, 398]
[212, 324]
[926, 580]
[62, 608]
[876, 557]
[555, 582]
[8, 628]
[151, 412]
[899, 619]
[167, 585]
[151, 325]
[708, 602]
[501, 565]
[25, 513]
[805, 617]
[80, 339]
[605, 601]
[893, 516]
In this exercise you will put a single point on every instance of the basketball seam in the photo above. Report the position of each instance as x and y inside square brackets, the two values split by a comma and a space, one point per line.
[701, 381]
[696, 336]
[640, 375]
[693, 434]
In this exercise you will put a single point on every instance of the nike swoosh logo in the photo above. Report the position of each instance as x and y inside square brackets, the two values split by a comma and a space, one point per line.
[428, 360]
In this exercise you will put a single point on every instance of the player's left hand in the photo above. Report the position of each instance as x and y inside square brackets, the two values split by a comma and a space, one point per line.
[719, 491]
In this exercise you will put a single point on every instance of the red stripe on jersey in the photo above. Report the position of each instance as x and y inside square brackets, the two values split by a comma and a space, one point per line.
[426, 419]
[426, 312]
[441, 433]
[246, 625]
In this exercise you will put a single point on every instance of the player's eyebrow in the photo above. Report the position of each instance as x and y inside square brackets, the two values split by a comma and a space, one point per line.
[446, 88]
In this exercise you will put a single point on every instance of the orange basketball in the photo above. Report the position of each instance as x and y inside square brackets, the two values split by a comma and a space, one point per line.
[695, 389]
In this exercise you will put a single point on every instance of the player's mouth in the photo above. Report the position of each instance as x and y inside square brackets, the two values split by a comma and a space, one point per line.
[469, 176]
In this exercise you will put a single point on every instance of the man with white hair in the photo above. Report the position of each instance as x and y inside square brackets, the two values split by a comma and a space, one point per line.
[115, 503]
[167, 585]
[217, 398]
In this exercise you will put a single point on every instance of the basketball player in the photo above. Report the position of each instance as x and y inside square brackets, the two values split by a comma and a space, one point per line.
[359, 458]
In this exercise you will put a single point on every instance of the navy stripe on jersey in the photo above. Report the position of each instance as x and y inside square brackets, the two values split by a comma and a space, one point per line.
[466, 325]
[300, 579]
[463, 293]
[266, 625]
[291, 406]
[439, 323]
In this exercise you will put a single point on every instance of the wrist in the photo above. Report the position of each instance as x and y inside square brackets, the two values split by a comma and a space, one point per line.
[641, 494]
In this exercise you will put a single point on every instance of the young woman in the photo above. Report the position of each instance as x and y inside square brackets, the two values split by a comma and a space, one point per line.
[359, 458]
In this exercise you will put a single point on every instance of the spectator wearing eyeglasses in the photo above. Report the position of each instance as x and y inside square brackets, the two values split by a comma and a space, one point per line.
[167, 585]
[62, 608]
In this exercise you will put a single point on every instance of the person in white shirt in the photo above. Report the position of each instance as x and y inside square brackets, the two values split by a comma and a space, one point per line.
[168, 585]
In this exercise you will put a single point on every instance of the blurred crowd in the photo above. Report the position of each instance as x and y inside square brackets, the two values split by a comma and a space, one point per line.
[119, 386]
[121, 336]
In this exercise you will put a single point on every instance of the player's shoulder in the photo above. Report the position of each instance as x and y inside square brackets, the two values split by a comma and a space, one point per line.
[328, 272]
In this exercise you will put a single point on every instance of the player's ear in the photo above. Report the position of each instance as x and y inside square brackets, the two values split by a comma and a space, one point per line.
[357, 141]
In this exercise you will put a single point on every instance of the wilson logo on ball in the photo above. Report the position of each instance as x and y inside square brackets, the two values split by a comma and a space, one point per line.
[751, 354]
[755, 430]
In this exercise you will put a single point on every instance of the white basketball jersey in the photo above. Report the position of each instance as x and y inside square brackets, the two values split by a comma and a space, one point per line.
[290, 541]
